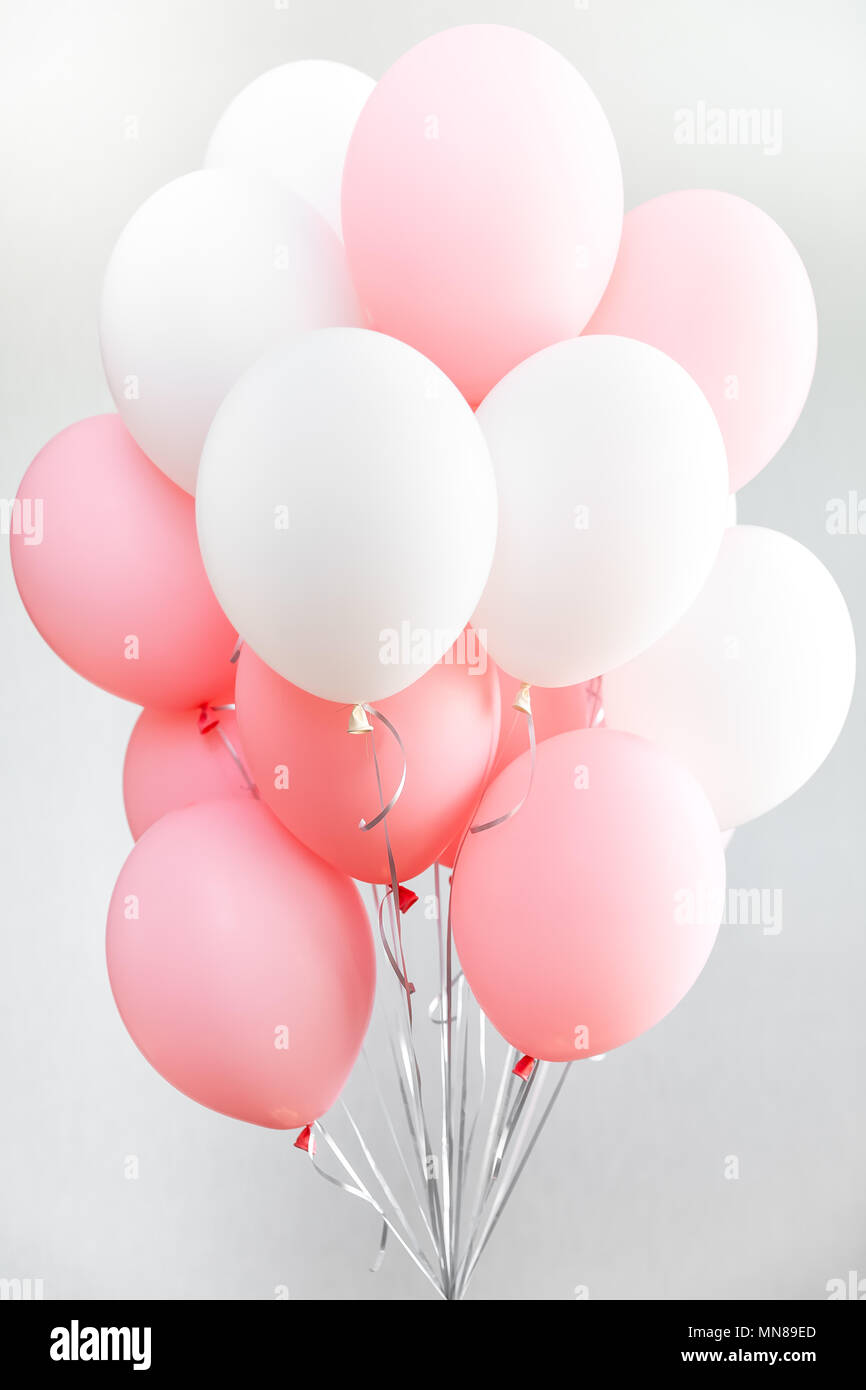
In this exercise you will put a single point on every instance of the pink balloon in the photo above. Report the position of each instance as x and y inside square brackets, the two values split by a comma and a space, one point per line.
[716, 284]
[554, 711]
[115, 583]
[242, 966]
[320, 781]
[175, 758]
[482, 201]
[585, 918]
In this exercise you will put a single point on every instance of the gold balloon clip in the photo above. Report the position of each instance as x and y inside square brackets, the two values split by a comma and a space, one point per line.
[359, 723]
[522, 702]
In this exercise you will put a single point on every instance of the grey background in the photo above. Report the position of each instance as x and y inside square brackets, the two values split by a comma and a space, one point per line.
[764, 1059]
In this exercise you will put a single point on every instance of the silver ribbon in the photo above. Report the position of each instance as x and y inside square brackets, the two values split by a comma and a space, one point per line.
[512, 1132]
[500, 820]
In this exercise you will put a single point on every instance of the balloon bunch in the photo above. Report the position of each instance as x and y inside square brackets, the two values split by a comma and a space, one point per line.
[413, 427]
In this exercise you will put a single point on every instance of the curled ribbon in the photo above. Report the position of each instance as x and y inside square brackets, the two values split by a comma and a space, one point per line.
[208, 719]
[386, 810]
[388, 952]
[395, 890]
[356, 1188]
[500, 820]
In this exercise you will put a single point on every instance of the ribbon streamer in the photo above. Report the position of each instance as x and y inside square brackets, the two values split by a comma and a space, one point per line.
[208, 720]
[500, 820]
[468, 1269]
[251, 786]
[386, 810]
[433, 1208]
[356, 1188]
[407, 985]
[382, 818]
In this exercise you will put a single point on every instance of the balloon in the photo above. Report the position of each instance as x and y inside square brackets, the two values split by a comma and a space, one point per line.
[585, 918]
[715, 283]
[209, 273]
[482, 201]
[347, 513]
[612, 498]
[751, 688]
[294, 123]
[320, 782]
[242, 966]
[115, 582]
[174, 759]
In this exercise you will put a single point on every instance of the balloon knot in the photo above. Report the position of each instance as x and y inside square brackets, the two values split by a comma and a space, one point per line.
[207, 719]
[522, 701]
[406, 898]
[524, 1069]
[305, 1140]
[358, 721]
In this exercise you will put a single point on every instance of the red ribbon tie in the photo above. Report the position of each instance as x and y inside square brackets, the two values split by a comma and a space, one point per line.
[524, 1069]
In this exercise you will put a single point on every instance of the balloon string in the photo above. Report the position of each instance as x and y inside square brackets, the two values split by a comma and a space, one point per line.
[497, 1119]
[378, 1175]
[596, 714]
[251, 786]
[513, 1118]
[447, 1040]
[386, 899]
[511, 1115]
[408, 1045]
[502, 1131]
[500, 820]
[382, 818]
[468, 1266]
[206, 725]
[417, 1125]
[380, 1254]
[446, 1133]
[462, 1043]
[398, 1147]
[386, 810]
[465, 1154]
[356, 1188]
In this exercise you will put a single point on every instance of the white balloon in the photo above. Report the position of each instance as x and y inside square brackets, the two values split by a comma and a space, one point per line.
[210, 272]
[346, 513]
[751, 688]
[612, 486]
[295, 123]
